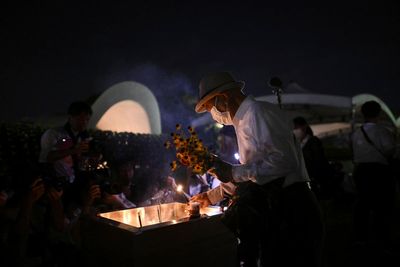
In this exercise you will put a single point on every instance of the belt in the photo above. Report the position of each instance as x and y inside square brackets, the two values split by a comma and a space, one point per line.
[274, 184]
[273, 190]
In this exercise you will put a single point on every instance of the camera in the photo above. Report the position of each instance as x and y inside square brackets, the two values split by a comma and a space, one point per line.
[102, 178]
[58, 183]
[106, 183]
[110, 188]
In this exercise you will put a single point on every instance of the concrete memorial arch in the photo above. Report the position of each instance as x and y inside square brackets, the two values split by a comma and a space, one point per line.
[126, 107]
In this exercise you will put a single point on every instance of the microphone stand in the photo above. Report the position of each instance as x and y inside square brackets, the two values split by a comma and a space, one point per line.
[276, 84]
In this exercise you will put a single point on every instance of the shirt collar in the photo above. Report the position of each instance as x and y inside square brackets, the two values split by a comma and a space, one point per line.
[368, 125]
[305, 140]
[244, 106]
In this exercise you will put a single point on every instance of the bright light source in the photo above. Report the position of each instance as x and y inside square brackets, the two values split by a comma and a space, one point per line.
[219, 125]
[179, 188]
[236, 156]
[125, 116]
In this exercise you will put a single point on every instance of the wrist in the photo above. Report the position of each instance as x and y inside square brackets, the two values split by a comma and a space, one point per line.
[73, 151]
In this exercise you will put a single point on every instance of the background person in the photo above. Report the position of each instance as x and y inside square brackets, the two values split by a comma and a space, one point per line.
[319, 170]
[373, 146]
[62, 147]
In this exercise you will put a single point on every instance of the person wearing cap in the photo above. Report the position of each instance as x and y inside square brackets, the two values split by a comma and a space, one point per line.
[272, 177]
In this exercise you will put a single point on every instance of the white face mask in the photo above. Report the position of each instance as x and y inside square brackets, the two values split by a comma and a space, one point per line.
[221, 117]
[299, 134]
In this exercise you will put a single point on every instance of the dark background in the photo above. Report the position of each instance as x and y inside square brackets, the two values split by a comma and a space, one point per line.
[55, 53]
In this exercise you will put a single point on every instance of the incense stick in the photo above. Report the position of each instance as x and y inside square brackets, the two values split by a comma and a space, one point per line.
[159, 212]
[140, 220]
[179, 189]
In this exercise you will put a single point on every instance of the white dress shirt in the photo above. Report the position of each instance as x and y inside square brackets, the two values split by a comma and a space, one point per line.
[50, 141]
[267, 147]
[382, 138]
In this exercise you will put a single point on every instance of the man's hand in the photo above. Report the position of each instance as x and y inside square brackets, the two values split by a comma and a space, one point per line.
[37, 190]
[54, 195]
[201, 198]
[171, 182]
[3, 198]
[112, 200]
[82, 147]
[222, 170]
[93, 193]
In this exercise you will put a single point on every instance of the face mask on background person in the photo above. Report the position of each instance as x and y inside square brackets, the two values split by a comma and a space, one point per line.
[299, 134]
[221, 117]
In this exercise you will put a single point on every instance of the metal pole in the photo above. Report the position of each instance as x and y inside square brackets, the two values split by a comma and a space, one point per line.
[276, 84]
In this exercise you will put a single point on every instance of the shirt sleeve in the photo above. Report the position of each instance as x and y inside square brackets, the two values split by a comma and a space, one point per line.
[387, 142]
[272, 155]
[47, 144]
[218, 193]
[261, 170]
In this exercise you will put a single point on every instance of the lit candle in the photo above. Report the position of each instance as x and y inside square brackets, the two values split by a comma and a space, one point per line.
[179, 188]
[194, 209]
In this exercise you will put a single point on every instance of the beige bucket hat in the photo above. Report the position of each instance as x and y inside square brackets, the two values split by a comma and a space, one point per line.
[213, 84]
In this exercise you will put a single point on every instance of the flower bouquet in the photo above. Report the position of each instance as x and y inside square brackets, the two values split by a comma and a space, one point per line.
[190, 151]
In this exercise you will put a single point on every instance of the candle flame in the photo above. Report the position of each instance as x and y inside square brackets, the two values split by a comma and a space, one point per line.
[179, 188]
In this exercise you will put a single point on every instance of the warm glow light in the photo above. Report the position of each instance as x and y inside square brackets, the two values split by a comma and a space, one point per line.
[126, 217]
[179, 188]
[152, 215]
[328, 129]
[125, 116]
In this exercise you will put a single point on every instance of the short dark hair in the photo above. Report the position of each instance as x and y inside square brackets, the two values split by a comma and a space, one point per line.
[371, 109]
[300, 121]
[77, 108]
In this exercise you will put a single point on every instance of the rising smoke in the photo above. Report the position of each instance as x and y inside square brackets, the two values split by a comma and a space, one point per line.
[175, 92]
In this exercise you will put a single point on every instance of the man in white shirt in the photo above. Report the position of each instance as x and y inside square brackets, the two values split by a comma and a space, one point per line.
[373, 146]
[60, 154]
[61, 146]
[271, 180]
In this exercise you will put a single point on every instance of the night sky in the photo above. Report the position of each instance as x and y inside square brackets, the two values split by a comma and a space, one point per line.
[53, 54]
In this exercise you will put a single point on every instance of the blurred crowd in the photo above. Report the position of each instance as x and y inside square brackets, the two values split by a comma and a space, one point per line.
[45, 197]
[75, 176]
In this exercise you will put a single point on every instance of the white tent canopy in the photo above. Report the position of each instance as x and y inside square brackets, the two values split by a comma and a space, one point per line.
[327, 114]
[310, 99]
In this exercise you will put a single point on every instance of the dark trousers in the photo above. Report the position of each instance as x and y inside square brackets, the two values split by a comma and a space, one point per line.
[295, 231]
[282, 228]
[375, 202]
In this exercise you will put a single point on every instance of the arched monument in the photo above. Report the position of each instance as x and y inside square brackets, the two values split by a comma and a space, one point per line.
[126, 107]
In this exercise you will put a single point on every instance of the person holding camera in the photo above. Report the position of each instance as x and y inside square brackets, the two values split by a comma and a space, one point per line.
[275, 211]
[117, 195]
[62, 147]
[62, 150]
[35, 214]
